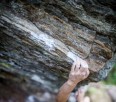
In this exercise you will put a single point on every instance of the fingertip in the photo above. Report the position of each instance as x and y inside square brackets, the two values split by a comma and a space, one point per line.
[76, 93]
[84, 64]
[88, 72]
[78, 63]
[73, 66]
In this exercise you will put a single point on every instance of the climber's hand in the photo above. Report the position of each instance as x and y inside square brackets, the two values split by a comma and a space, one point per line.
[79, 72]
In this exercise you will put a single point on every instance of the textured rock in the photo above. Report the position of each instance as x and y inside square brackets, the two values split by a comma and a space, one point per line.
[41, 41]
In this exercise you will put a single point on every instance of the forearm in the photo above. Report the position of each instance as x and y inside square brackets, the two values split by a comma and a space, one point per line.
[65, 91]
[77, 74]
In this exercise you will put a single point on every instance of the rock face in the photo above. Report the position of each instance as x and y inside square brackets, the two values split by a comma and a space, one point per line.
[40, 39]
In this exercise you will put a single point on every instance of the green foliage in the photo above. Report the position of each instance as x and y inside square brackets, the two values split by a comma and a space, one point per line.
[111, 79]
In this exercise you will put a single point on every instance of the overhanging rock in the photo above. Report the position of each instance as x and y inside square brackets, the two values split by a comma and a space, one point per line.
[42, 41]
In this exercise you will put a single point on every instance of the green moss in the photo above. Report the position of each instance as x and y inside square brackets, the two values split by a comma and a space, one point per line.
[6, 65]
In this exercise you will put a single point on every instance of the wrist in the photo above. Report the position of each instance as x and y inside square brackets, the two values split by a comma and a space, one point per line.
[71, 83]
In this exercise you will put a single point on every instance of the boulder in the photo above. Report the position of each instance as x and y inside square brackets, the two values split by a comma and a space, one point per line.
[40, 39]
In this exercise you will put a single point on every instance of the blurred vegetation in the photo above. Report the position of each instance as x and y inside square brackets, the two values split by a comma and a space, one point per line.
[111, 79]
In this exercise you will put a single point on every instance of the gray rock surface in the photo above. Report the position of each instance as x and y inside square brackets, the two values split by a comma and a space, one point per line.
[40, 39]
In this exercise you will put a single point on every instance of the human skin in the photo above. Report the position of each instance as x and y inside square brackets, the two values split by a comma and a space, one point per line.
[79, 71]
[80, 95]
